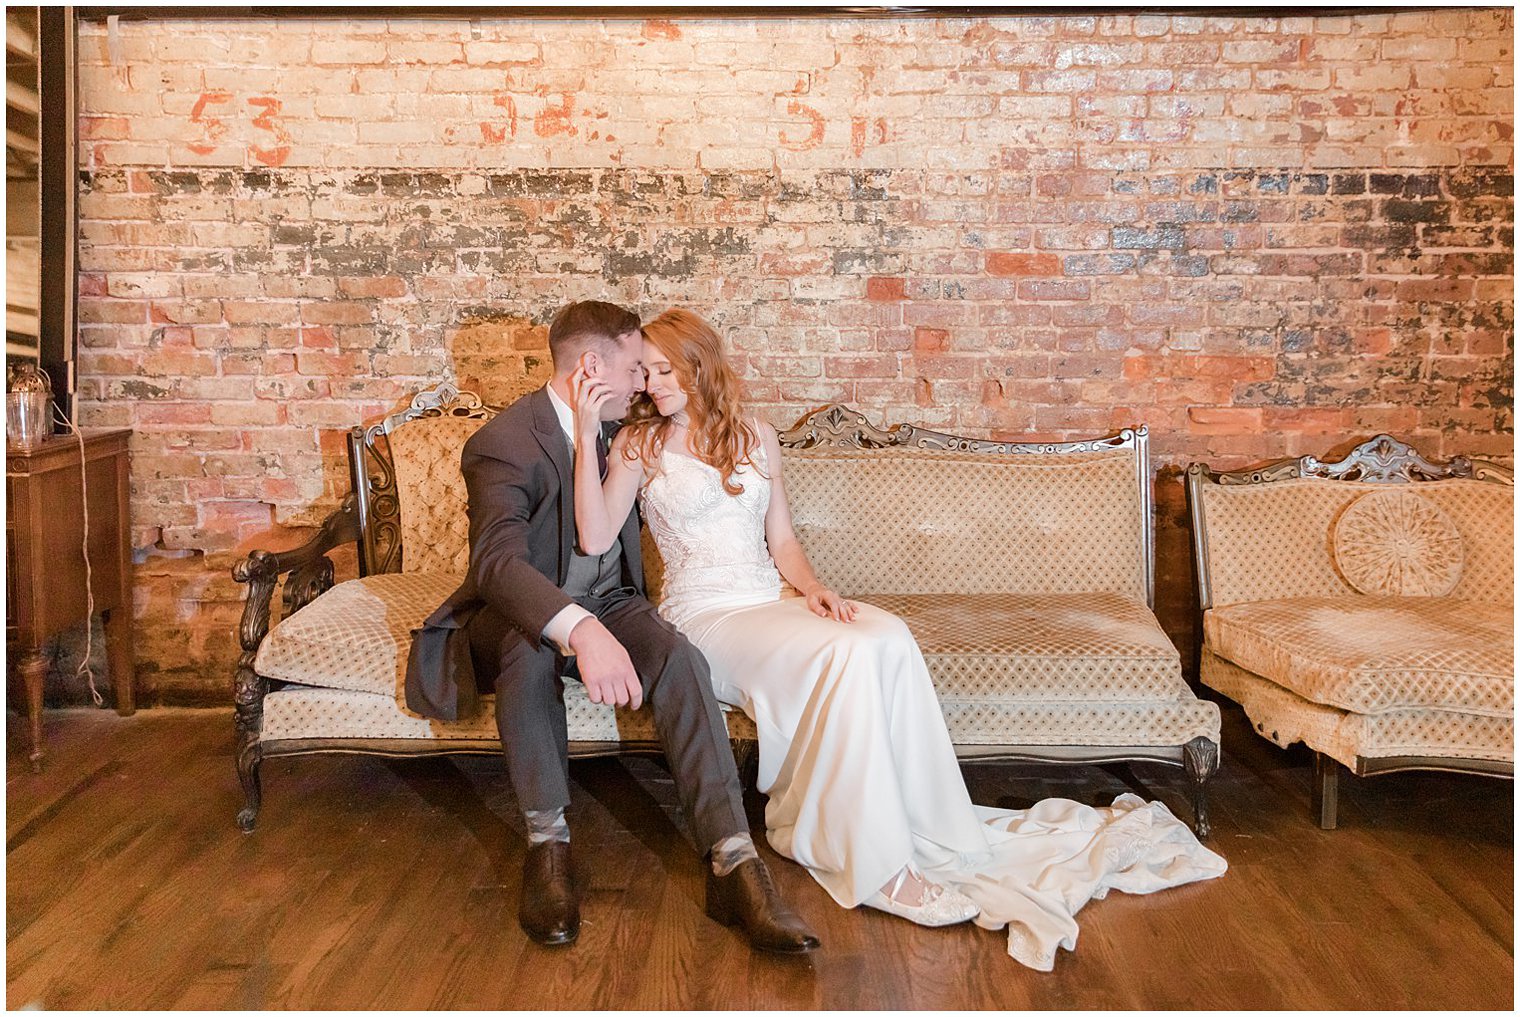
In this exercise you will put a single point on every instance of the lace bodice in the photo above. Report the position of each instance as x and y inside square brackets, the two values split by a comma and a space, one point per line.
[712, 542]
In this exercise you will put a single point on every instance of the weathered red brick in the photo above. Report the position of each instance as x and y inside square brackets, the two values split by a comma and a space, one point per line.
[930, 340]
[1223, 420]
[1010, 264]
[1071, 258]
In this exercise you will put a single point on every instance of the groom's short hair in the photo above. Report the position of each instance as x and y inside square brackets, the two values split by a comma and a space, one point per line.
[588, 324]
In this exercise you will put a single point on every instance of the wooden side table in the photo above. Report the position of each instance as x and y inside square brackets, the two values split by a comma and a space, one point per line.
[44, 531]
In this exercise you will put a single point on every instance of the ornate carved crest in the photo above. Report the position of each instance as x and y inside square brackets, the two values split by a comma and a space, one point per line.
[443, 401]
[1379, 460]
[838, 426]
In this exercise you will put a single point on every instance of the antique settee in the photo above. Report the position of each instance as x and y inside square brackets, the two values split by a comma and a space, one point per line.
[1363, 607]
[1025, 571]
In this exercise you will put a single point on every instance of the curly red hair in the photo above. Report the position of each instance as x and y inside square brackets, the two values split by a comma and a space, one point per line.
[720, 435]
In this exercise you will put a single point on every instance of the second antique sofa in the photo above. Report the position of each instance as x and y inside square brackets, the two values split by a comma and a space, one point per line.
[1024, 570]
[1364, 607]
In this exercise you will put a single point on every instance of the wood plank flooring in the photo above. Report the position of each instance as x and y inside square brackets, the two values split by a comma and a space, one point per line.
[393, 884]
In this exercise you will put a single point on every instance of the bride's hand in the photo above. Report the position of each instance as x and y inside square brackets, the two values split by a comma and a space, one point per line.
[590, 395]
[825, 603]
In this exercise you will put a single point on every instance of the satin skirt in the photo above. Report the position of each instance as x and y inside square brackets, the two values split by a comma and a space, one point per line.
[862, 778]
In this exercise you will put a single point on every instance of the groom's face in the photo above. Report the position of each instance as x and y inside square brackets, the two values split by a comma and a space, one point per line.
[622, 370]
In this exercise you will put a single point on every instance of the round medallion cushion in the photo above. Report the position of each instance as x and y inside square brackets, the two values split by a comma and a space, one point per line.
[1397, 544]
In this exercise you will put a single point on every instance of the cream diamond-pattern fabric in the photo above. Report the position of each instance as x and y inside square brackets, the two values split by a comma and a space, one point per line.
[1134, 724]
[350, 645]
[435, 529]
[1485, 516]
[914, 521]
[1268, 541]
[1285, 718]
[1376, 654]
[1395, 543]
[356, 635]
[1026, 648]
[298, 712]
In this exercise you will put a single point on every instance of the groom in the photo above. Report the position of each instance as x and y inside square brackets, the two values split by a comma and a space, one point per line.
[532, 608]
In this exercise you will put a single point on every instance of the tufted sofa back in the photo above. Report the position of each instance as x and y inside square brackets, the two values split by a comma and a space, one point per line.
[435, 529]
[892, 520]
[920, 521]
[1267, 541]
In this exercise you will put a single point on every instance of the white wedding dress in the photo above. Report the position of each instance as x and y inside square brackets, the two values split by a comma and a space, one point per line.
[854, 755]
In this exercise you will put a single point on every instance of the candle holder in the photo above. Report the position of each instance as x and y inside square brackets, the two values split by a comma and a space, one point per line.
[28, 408]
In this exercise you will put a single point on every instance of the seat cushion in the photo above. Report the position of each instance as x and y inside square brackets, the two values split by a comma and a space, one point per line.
[356, 635]
[349, 648]
[297, 712]
[1284, 717]
[1041, 648]
[1374, 654]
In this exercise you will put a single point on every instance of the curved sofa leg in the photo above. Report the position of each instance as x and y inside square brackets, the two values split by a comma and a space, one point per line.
[1326, 790]
[249, 756]
[1200, 760]
[747, 759]
[248, 706]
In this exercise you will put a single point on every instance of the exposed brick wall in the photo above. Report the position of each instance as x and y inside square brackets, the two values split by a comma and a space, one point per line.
[1259, 237]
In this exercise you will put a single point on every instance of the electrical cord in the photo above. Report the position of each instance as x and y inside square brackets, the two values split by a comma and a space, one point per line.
[89, 576]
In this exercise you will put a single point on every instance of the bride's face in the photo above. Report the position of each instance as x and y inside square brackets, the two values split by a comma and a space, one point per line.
[662, 385]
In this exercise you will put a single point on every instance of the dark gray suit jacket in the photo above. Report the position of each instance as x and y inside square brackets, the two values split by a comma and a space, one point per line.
[517, 469]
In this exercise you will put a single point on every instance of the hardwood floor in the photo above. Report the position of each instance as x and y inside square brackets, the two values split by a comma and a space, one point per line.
[393, 884]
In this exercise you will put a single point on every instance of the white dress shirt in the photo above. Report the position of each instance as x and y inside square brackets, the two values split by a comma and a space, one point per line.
[559, 627]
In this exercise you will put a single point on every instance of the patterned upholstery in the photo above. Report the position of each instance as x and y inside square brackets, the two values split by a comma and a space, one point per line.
[1485, 516]
[1024, 648]
[299, 712]
[354, 636]
[1268, 541]
[1396, 543]
[1374, 654]
[913, 521]
[1285, 718]
[1022, 577]
[435, 531]
[1132, 724]
[349, 646]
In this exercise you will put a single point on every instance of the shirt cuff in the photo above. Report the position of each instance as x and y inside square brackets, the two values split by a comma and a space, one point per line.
[558, 629]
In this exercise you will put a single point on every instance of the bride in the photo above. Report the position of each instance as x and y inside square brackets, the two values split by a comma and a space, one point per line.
[863, 785]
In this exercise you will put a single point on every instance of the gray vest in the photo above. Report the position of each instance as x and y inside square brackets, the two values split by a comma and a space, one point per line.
[595, 575]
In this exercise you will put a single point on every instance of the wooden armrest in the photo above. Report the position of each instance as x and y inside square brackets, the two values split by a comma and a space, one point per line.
[309, 569]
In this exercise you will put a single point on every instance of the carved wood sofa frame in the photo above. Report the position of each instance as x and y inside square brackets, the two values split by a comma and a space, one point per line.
[1382, 459]
[369, 517]
[839, 427]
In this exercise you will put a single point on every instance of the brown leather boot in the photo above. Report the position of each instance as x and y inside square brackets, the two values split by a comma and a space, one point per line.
[548, 910]
[747, 897]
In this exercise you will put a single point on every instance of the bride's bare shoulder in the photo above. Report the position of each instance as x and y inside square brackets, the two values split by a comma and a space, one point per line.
[770, 443]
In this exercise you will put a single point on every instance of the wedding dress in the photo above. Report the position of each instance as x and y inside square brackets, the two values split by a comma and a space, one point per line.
[860, 772]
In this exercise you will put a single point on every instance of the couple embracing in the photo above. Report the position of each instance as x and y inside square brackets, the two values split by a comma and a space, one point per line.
[862, 781]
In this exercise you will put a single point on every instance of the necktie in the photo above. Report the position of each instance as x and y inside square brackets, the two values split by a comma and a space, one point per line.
[601, 456]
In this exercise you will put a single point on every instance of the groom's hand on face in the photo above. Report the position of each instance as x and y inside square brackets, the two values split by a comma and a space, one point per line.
[605, 669]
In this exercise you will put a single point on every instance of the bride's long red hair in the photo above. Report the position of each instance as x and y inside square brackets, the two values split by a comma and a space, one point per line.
[720, 435]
